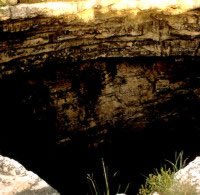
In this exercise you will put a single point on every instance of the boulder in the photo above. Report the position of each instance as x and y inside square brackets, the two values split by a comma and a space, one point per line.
[189, 177]
[15, 179]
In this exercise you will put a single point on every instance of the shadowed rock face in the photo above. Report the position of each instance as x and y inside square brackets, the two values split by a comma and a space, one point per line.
[89, 98]
[131, 93]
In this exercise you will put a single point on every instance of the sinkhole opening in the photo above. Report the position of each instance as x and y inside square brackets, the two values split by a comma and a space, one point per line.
[61, 120]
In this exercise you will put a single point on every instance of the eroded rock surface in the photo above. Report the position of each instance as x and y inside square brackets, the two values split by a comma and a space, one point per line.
[190, 175]
[16, 180]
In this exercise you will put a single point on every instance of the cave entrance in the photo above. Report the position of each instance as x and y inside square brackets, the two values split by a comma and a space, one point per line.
[133, 112]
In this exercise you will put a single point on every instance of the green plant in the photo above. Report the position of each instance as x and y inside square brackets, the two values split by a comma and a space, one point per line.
[105, 190]
[158, 182]
[179, 162]
[162, 180]
[3, 4]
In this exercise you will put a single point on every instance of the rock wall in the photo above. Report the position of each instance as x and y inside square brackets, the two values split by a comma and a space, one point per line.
[95, 71]
[86, 76]
[91, 97]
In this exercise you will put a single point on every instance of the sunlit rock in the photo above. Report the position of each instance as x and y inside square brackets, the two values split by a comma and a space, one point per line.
[190, 175]
[50, 9]
[15, 179]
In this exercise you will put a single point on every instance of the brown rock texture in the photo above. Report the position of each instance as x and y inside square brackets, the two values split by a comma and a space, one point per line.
[91, 97]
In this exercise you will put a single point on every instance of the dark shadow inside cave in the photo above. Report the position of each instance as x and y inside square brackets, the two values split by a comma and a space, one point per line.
[27, 121]
[29, 130]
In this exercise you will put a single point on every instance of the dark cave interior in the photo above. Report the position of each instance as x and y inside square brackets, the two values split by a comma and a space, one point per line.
[29, 130]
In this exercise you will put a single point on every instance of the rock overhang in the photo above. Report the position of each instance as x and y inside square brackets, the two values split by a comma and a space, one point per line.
[32, 35]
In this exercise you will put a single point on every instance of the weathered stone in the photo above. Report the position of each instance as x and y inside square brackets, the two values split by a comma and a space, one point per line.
[5, 13]
[190, 174]
[15, 179]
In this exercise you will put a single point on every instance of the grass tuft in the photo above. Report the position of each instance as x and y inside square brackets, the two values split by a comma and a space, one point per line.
[103, 190]
[161, 182]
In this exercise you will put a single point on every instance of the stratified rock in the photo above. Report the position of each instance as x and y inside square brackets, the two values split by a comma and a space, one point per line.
[15, 179]
[44, 31]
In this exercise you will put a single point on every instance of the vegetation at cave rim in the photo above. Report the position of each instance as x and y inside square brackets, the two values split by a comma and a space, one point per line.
[161, 181]
[3, 4]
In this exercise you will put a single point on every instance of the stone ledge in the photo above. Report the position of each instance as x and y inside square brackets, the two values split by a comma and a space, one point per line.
[29, 39]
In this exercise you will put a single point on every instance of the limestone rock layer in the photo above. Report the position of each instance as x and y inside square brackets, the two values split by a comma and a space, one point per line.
[29, 43]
